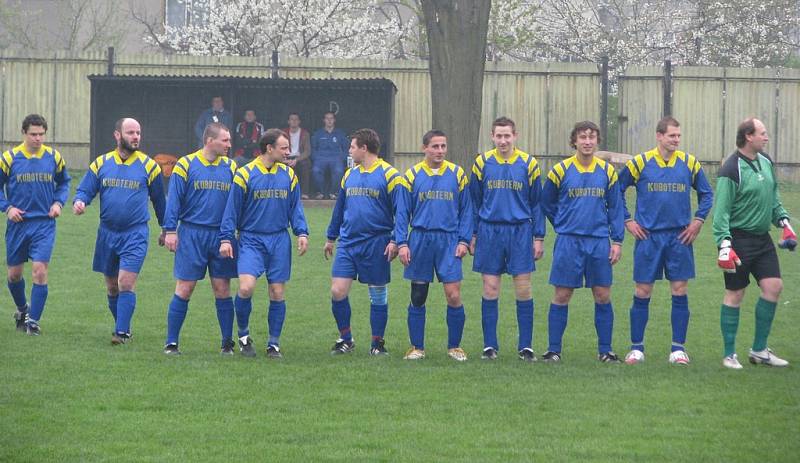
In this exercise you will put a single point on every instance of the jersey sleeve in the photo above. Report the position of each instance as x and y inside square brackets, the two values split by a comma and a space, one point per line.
[534, 202]
[628, 176]
[175, 198]
[337, 217]
[397, 188]
[476, 191]
[402, 216]
[230, 217]
[297, 216]
[62, 180]
[616, 217]
[549, 200]
[90, 184]
[705, 195]
[155, 188]
[5, 170]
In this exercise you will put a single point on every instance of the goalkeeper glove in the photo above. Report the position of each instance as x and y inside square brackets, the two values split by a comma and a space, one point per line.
[789, 238]
[728, 260]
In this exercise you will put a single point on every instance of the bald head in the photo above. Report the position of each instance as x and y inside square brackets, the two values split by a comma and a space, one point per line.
[128, 134]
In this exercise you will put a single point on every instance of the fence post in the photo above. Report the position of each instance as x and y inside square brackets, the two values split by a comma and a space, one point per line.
[110, 71]
[274, 73]
[604, 104]
[667, 88]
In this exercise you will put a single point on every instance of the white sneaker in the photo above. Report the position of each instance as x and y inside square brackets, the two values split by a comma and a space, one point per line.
[457, 354]
[414, 354]
[679, 357]
[732, 362]
[766, 357]
[635, 356]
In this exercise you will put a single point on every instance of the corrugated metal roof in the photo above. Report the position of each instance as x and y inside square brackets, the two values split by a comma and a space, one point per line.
[267, 81]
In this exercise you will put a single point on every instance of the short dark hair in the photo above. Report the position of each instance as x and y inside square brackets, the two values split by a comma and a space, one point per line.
[368, 138]
[665, 123]
[503, 121]
[582, 127]
[213, 129]
[249, 109]
[269, 138]
[118, 124]
[329, 112]
[747, 127]
[426, 139]
[294, 113]
[33, 119]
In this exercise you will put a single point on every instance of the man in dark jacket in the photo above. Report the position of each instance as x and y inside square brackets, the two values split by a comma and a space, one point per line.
[216, 113]
[329, 147]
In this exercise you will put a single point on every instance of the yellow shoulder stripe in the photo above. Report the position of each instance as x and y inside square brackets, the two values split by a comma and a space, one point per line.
[398, 180]
[5, 162]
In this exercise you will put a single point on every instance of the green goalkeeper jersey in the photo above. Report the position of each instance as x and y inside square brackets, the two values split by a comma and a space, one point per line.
[746, 197]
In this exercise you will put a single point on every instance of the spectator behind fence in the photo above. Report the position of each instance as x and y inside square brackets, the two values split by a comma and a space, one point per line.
[329, 147]
[216, 113]
[247, 134]
[299, 157]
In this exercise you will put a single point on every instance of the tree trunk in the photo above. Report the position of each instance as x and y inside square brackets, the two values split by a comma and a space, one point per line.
[456, 32]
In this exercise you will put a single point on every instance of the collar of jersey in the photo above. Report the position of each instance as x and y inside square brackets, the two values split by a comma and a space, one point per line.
[131, 159]
[511, 159]
[264, 169]
[205, 161]
[372, 168]
[430, 172]
[21, 149]
[580, 167]
[660, 160]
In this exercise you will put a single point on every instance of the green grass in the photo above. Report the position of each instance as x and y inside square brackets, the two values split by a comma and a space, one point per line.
[70, 396]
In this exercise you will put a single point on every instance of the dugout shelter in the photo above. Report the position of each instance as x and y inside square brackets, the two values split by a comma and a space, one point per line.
[168, 106]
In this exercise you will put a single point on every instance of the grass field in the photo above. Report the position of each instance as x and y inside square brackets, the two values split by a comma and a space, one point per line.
[68, 395]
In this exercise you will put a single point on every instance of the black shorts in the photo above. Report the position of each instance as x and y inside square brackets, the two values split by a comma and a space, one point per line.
[758, 256]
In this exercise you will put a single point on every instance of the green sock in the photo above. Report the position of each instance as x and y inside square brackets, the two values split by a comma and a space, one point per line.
[765, 313]
[729, 322]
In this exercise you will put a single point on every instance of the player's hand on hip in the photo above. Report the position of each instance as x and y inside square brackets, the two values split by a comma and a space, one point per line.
[327, 250]
[538, 249]
[15, 214]
[391, 251]
[461, 250]
[472, 245]
[615, 254]
[55, 210]
[636, 230]
[689, 234]
[728, 260]
[788, 237]
[171, 241]
[78, 207]
[226, 250]
[405, 255]
[302, 244]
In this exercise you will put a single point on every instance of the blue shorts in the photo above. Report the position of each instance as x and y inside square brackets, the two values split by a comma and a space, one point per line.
[580, 261]
[269, 253]
[198, 250]
[115, 250]
[364, 261]
[30, 239]
[662, 254]
[504, 248]
[433, 251]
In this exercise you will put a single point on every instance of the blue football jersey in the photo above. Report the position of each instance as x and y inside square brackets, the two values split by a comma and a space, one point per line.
[198, 191]
[32, 182]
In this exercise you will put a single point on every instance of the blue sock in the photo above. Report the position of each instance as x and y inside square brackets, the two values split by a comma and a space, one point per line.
[416, 326]
[38, 298]
[17, 290]
[489, 322]
[556, 324]
[126, 305]
[275, 317]
[680, 321]
[225, 317]
[378, 316]
[455, 325]
[112, 306]
[341, 313]
[525, 323]
[604, 325]
[243, 308]
[176, 314]
[640, 312]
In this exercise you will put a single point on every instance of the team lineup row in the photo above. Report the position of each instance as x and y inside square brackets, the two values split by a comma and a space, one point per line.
[232, 222]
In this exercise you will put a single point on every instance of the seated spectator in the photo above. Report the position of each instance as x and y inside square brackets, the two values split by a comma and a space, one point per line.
[246, 137]
[216, 113]
[299, 157]
[329, 148]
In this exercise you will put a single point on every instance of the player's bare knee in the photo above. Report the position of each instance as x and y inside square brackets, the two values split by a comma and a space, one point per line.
[602, 294]
[338, 292]
[452, 292]
[643, 291]
[221, 288]
[561, 295]
[15, 273]
[276, 292]
[522, 287]
[733, 298]
[679, 288]
[771, 288]
[39, 270]
[184, 289]
[491, 288]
